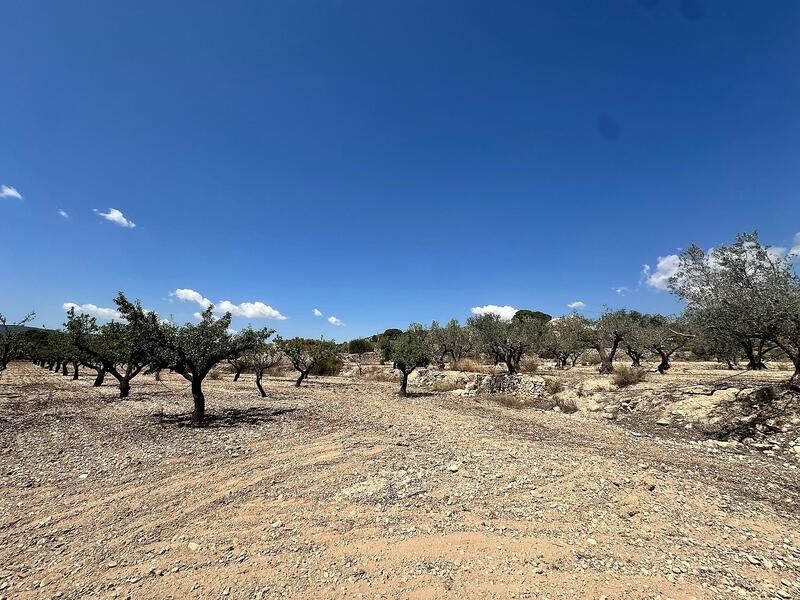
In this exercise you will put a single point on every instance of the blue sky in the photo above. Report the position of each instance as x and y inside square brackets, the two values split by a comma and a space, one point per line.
[386, 162]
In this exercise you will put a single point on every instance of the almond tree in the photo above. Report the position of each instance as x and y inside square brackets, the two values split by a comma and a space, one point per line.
[509, 341]
[239, 365]
[10, 338]
[262, 359]
[121, 349]
[191, 350]
[304, 354]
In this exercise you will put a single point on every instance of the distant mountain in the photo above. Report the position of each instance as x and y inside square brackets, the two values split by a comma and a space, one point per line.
[21, 328]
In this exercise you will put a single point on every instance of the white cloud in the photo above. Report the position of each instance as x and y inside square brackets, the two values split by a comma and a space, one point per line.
[93, 310]
[577, 305]
[250, 310]
[666, 267]
[63, 213]
[794, 251]
[6, 191]
[334, 321]
[187, 295]
[622, 290]
[116, 216]
[504, 312]
[317, 312]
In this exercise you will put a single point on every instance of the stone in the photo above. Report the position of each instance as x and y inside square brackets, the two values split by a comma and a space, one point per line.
[193, 546]
[453, 467]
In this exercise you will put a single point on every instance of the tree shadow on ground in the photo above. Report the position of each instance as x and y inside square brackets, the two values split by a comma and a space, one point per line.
[230, 417]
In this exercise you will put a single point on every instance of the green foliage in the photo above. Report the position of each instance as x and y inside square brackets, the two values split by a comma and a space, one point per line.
[304, 354]
[524, 315]
[410, 350]
[507, 341]
[359, 346]
[328, 367]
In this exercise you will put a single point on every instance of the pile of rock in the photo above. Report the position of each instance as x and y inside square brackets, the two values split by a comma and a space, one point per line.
[505, 383]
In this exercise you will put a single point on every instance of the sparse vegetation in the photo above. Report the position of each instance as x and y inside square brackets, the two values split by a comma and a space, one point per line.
[625, 376]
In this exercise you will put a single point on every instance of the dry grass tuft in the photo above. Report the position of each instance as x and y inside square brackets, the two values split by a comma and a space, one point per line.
[508, 400]
[553, 385]
[567, 405]
[215, 375]
[446, 386]
[471, 366]
[529, 365]
[625, 376]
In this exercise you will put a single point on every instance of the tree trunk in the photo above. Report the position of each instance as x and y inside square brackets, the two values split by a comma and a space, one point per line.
[259, 386]
[64, 369]
[75, 370]
[664, 366]
[606, 367]
[636, 361]
[237, 374]
[101, 375]
[124, 387]
[199, 412]
[303, 375]
[404, 384]
[512, 368]
[57, 366]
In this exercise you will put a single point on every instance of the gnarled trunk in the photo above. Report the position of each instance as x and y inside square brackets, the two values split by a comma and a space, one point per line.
[199, 412]
[664, 366]
[64, 369]
[124, 387]
[74, 370]
[237, 374]
[101, 375]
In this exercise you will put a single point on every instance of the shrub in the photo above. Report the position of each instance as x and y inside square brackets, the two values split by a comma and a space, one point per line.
[567, 405]
[471, 366]
[529, 365]
[509, 400]
[377, 373]
[553, 385]
[328, 366]
[279, 370]
[625, 376]
[592, 359]
[215, 375]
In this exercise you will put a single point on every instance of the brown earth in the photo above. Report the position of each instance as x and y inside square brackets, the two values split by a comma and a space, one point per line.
[342, 489]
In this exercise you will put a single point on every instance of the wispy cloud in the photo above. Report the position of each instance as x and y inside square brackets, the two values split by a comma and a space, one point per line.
[63, 213]
[249, 310]
[621, 290]
[334, 321]
[504, 312]
[116, 216]
[93, 310]
[577, 305]
[317, 312]
[6, 191]
[666, 267]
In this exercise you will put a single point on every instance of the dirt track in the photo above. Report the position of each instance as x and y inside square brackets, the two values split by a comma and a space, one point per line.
[342, 489]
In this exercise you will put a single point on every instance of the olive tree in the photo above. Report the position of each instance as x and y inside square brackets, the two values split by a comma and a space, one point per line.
[565, 339]
[359, 347]
[193, 349]
[606, 334]
[239, 365]
[10, 338]
[507, 341]
[746, 290]
[408, 351]
[304, 354]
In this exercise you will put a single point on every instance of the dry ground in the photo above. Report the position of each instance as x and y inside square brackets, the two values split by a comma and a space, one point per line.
[342, 489]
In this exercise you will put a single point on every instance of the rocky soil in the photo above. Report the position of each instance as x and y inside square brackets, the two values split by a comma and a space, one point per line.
[342, 489]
